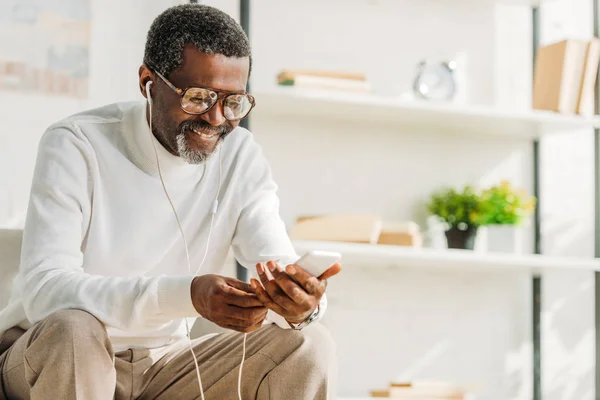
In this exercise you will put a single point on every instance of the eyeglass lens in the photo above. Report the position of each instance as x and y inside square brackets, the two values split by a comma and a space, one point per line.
[199, 100]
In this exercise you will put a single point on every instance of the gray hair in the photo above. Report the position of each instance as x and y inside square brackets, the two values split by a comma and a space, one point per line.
[207, 28]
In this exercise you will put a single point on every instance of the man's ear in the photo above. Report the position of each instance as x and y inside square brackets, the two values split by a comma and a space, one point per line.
[145, 75]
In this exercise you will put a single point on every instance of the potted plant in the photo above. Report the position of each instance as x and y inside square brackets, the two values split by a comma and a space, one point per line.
[503, 209]
[457, 209]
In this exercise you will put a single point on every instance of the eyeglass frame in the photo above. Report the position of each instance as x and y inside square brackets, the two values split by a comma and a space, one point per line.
[221, 95]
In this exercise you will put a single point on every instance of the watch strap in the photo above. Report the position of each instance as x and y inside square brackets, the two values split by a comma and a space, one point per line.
[301, 325]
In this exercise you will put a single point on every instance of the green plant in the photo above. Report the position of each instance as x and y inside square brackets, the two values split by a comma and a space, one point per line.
[504, 205]
[456, 208]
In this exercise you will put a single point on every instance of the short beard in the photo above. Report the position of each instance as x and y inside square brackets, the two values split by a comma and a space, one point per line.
[192, 156]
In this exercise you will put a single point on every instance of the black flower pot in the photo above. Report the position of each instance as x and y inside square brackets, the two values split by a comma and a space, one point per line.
[459, 239]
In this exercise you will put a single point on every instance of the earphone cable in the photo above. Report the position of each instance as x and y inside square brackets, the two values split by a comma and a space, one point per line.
[213, 212]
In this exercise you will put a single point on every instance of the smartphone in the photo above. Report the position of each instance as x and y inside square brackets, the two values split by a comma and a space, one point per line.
[316, 262]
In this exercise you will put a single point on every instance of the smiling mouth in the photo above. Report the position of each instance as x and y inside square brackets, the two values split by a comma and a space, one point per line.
[203, 135]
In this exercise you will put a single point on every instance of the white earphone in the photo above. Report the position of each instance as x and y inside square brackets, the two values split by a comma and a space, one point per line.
[148, 95]
[187, 254]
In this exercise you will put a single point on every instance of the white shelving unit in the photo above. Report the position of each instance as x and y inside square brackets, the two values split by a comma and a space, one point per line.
[378, 256]
[417, 115]
[404, 115]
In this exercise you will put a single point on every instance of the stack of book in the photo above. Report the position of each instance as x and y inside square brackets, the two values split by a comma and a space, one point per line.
[356, 228]
[401, 234]
[351, 228]
[565, 76]
[327, 80]
[423, 391]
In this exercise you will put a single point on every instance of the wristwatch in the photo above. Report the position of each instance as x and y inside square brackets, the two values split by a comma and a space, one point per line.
[301, 325]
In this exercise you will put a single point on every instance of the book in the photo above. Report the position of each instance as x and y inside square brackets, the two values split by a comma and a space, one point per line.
[328, 80]
[558, 76]
[401, 234]
[587, 96]
[421, 390]
[352, 228]
[426, 391]
[290, 74]
[319, 82]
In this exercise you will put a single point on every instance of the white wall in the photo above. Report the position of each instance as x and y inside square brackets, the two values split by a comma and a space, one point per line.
[396, 323]
[20, 131]
[116, 51]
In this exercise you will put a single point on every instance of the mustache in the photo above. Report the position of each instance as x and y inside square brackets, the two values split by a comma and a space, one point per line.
[204, 126]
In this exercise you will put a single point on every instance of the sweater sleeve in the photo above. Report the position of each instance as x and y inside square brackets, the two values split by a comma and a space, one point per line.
[260, 233]
[52, 273]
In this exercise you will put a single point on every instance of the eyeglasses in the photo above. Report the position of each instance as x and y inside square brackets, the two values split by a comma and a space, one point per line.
[200, 100]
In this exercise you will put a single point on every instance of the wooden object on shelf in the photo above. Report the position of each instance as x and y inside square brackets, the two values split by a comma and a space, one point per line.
[327, 80]
[427, 390]
[586, 104]
[353, 228]
[303, 218]
[288, 74]
[401, 234]
[558, 76]
[422, 391]
[380, 393]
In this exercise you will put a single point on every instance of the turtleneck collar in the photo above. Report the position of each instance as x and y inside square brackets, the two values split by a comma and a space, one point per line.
[140, 141]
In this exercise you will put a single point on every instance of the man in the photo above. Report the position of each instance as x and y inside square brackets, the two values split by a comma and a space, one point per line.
[105, 287]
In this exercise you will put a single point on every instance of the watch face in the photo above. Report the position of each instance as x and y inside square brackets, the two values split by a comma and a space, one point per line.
[435, 82]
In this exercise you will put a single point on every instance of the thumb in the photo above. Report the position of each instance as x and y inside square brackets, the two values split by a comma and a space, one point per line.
[331, 271]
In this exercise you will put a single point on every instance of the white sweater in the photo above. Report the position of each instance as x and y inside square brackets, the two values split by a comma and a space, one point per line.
[100, 235]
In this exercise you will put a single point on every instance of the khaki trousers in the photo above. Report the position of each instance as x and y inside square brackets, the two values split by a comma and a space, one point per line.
[69, 356]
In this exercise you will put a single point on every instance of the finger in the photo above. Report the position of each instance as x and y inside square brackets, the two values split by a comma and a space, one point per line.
[275, 292]
[273, 305]
[331, 271]
[294, 291]
[232, 322]
[243, 286]
[232, 315]
[281, 298]
[256, 315]
[242, 329]
[265, 298]
[310, 284]
[263, 275]
[243, 320]
[255, 327]
[298, 273]
[237, 297]
[261, 317]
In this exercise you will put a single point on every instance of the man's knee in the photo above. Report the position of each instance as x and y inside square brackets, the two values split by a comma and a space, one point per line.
[67, 326]
[317, 342]
[57, 351]
[314, 343]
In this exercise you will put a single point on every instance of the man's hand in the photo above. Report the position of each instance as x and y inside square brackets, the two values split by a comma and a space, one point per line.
[294, 293]
[227, 302]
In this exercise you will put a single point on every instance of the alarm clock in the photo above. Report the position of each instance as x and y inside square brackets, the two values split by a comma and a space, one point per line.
[435, 81]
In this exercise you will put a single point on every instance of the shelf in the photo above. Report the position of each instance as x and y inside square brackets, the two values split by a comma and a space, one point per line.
[523, 2]
[398, 256]
[528, 3]
[371, 109]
